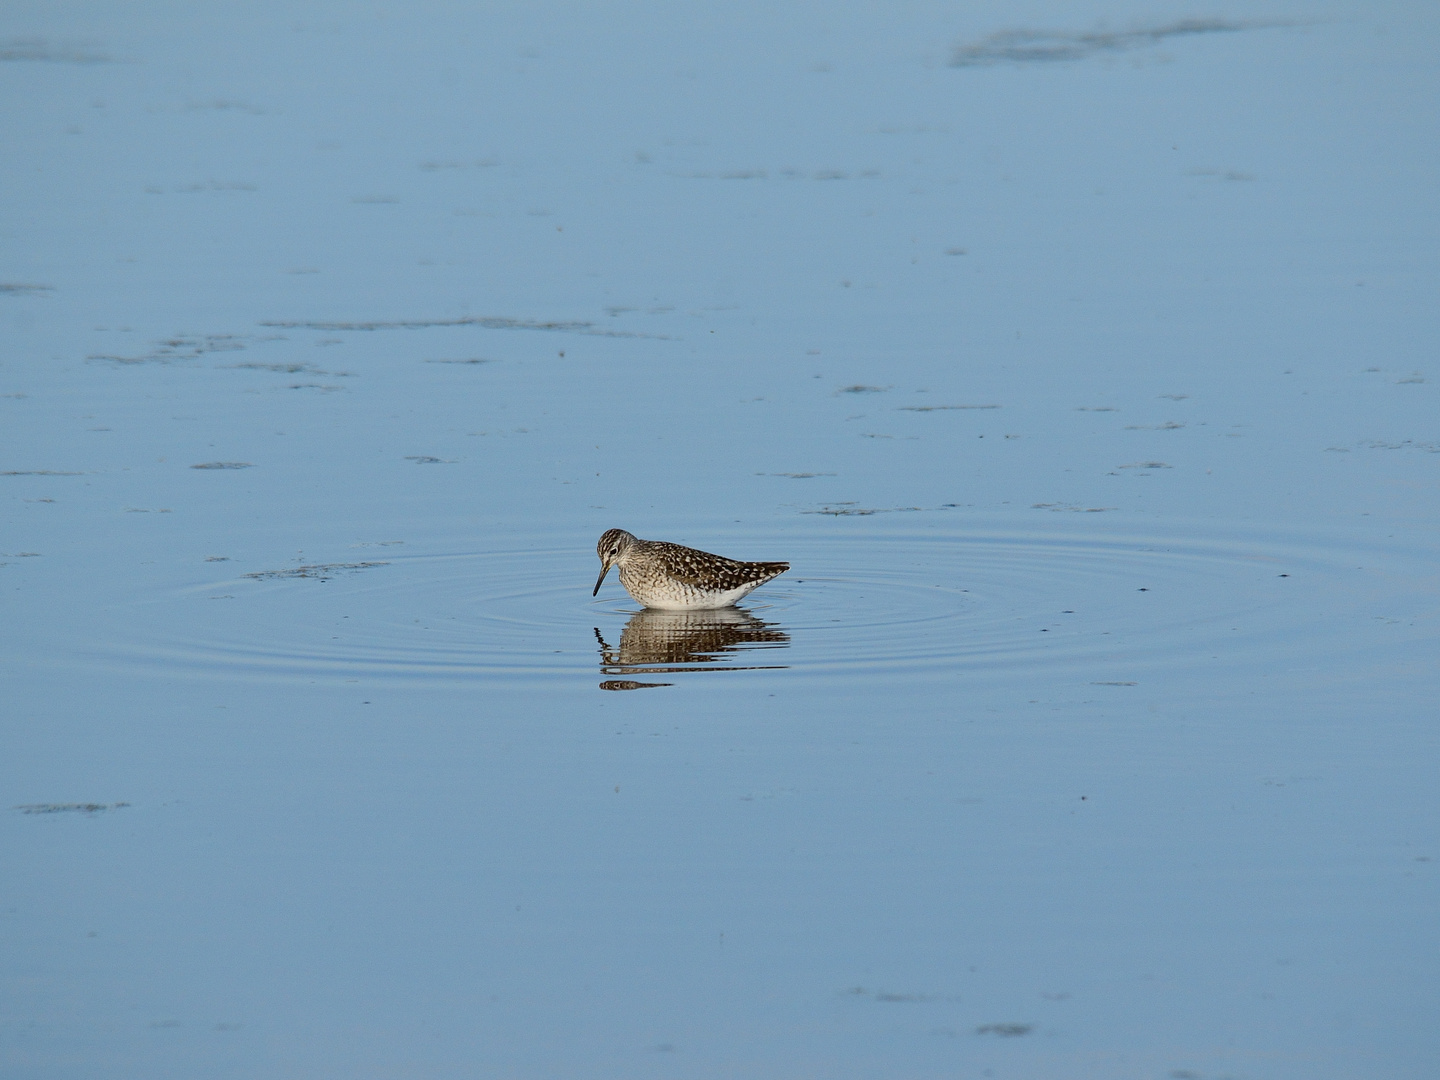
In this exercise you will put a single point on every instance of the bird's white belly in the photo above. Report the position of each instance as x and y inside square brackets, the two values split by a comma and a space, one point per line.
[673, 596]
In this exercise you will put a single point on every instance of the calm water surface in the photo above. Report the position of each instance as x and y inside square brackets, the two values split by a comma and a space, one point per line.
[1080, 362]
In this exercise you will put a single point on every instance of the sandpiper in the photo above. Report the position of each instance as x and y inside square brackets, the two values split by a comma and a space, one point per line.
[675, 578]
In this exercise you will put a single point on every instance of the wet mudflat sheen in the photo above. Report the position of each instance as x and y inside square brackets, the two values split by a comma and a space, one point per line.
[1080, 361]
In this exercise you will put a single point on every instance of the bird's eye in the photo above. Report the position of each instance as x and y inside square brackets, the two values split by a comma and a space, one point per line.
[615, 551]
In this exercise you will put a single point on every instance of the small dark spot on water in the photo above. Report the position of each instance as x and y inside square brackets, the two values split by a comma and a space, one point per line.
[861, 388]
[319, 571]
[206, 186]
[1005, 1031]
[426, 459]
[223, 465]
[69, 808]
[178, 348]
[1404, 444]
[37, 49]
[285, 369]
[480, 163]
[487, 322]
[852, 510]
[942, 408]
[1050, 46]
[1222, 174]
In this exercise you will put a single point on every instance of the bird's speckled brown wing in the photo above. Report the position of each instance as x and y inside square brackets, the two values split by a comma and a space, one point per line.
[713, 572]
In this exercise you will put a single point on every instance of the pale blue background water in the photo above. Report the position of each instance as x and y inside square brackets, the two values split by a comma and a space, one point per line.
[1092, 733]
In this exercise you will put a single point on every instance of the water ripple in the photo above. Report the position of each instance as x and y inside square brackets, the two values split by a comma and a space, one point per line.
[867, 602]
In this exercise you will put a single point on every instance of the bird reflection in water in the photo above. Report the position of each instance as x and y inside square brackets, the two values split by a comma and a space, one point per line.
[667, 642]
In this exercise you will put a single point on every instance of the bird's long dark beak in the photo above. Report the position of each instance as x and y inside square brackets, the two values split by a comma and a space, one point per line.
[605, 569]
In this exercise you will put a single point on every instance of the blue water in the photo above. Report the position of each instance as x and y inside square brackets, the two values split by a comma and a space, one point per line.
[1080, 362]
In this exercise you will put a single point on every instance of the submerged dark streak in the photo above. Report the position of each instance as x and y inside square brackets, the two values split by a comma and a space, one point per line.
[485, 321]
[321, 571]
[1029, 46]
